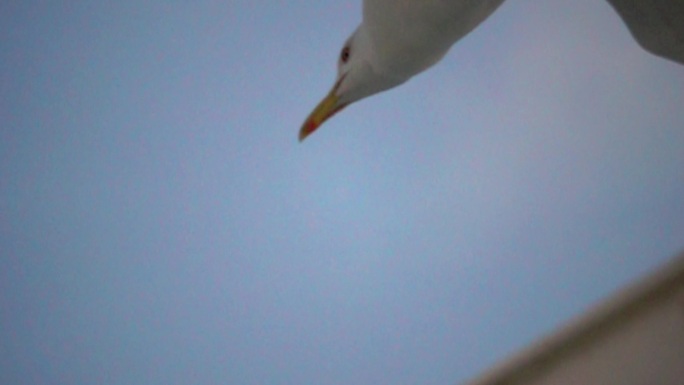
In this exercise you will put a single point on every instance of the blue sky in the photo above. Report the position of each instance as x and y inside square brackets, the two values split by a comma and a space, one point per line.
[160, 223]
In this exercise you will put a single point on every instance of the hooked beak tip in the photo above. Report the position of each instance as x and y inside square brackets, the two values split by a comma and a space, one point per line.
[307, 128]
[329, 106]
[325, 109]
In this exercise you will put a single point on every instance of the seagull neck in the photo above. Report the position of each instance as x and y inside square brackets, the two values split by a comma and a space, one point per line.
[376, 57]
[397, 59]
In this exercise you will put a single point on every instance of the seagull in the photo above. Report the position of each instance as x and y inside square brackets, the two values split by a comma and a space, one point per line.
[398, 39]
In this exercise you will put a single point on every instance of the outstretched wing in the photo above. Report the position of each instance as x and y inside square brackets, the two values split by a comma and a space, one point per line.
[658, 25]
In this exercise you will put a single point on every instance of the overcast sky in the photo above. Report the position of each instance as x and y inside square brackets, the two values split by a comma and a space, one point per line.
[160, 223]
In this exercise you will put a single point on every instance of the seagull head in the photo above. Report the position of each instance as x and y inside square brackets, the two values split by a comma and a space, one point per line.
[357, 78]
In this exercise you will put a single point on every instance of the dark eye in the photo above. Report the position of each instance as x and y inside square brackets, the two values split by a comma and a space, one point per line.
[344, 55]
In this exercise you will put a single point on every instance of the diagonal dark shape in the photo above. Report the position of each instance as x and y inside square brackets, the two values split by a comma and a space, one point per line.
[657, 25]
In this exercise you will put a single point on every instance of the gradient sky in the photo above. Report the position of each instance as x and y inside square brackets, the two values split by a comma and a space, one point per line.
[160, 223]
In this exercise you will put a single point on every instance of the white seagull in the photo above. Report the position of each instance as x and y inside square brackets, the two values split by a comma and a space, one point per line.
[398, 39]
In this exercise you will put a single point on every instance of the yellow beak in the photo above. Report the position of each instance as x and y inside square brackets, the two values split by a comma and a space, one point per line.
[328, 107]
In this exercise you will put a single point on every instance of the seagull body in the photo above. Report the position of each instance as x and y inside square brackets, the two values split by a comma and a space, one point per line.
[398, 39]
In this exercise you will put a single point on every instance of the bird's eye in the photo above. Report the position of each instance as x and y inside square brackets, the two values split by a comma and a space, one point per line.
[344, 55]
